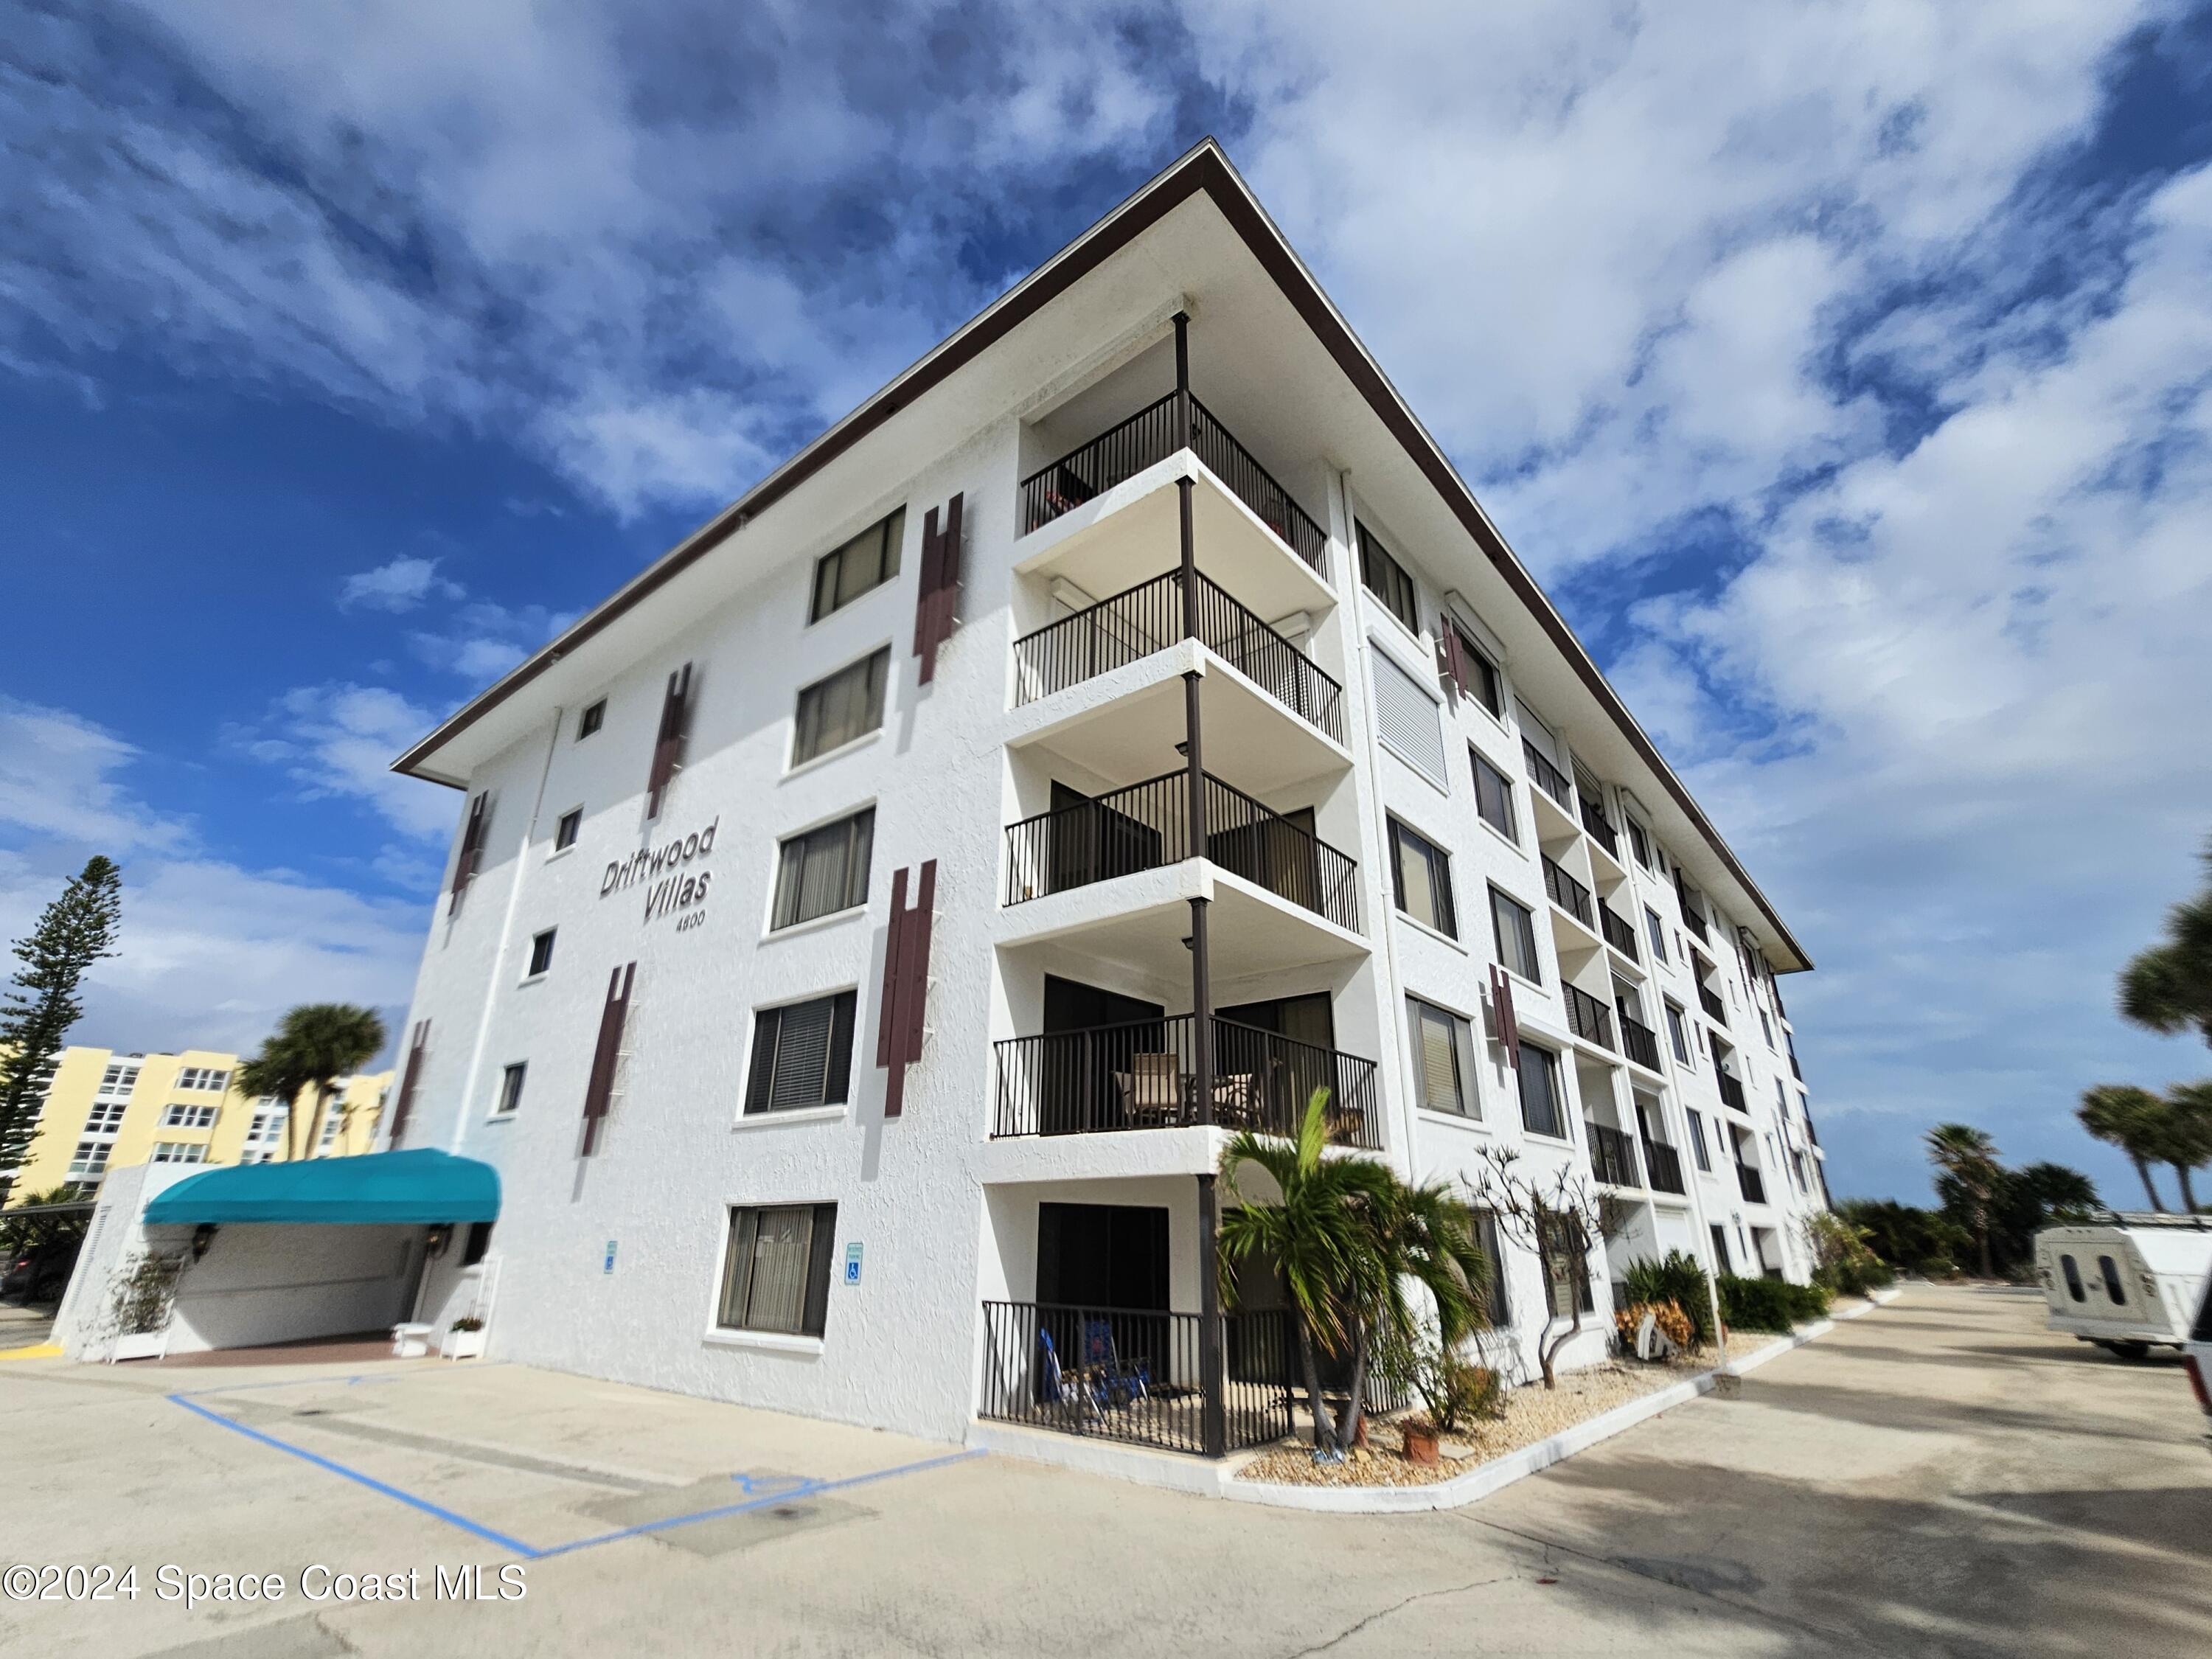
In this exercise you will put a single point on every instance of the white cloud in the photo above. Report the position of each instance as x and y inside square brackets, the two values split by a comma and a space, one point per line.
[338, 740]
[209, 952]
[399, 585]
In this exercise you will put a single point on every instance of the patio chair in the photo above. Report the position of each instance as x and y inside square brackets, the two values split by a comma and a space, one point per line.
[1236, 1101]
[1117, 1383]
[1152, 1090]
[1076, 1395]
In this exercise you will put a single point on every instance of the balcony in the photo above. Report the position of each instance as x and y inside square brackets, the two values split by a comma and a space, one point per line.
[1715, 1009]
[1664, 1165]
[1151, 436]
[1618, 932]
[1135, 1374]
[1142, 1075]
[1586, 1017]
[1601, 827]
[1146, 826]
[1639, 1040]
[1612, 1156]
[1548, 777]
[1570, 895]
[1732, 1093]
[1749, 1184]
[1694, 908]
[1153, 615]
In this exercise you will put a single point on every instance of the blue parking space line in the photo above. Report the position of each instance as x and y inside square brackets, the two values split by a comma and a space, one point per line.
[359, 1479]
[802, 1487]
[805, 1489]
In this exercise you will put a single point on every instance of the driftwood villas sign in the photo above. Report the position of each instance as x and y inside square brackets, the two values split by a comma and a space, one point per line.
[672, 885]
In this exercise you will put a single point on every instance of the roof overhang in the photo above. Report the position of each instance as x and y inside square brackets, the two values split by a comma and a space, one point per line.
[1204, 172]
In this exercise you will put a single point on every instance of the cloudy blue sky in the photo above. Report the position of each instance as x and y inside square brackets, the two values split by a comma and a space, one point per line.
[1843, 368]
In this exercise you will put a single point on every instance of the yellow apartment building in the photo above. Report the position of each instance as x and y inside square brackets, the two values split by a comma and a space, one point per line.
[105, 1110]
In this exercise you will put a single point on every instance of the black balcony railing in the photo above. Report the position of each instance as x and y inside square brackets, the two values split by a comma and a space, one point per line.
[1600, 827]
[1794, 1072]
[1570, 895]
[1618, 932]
[1811, 1133]
[1612, 1156]
[1588, 1017]
[1135, 1374]
[1549, 779]
[1143, 1076]
[1146, 826]
[1664, 1165]
[1149, 436]
[1639, 1040]
[1133, 624]
[1694, 907]
[1732, 1093]
[1749, 1184]
[1715, 1009]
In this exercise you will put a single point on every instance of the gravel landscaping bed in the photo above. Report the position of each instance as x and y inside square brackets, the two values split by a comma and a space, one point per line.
[1532, 1413]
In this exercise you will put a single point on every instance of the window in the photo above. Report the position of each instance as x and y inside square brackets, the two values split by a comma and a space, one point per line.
[825, 871]
[565, 832]
[1482, 673]
[1657, 931]
[2073, 1279]
[1639, 843]
[541, 952]
[182, 1116]
[91, 1158]
[591, 720]
[1486, 1235]
[1407, 719]
[479, 1244]
[1766, 1027]
[104, 1118]
[1720, 1248]
[1494, 797]
[1675, 1034]
[777, 1275]
[510, 1089]
[179, 1152]
[1443, 1060]
[802, 1056]
[865, 563]
[1515, 931]
[1420, 876]
[1697, 1142]
[1565, 1250]
[333, 1121]
[1541, 1113]
[118, 1079]
[264, 1134]
[840, 709]
[2111, 1273]
[1386, 579]
[199, 1079]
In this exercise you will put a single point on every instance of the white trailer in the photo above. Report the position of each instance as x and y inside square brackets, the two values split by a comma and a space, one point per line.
[2128, 1284]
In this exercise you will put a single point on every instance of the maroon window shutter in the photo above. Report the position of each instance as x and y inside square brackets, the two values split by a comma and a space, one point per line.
[668, 743]
[940, 585]
[1451, 666]
[1509, 1028]
[598, 1093]
[408, 1078]
[471, 852]
[900, 1018]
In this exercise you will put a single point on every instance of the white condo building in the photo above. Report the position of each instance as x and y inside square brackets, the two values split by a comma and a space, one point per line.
[866, 927]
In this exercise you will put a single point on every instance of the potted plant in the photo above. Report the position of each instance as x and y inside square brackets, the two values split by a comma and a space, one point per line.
[1424, 1441]
[1454, 1391]
[465, 1337]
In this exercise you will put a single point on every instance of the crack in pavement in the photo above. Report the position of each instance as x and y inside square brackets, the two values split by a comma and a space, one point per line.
[1352, 1630]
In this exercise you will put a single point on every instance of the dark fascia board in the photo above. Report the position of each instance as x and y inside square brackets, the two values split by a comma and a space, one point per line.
[1205, 169]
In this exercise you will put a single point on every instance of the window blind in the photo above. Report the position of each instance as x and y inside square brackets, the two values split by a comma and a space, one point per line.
[1406, 716]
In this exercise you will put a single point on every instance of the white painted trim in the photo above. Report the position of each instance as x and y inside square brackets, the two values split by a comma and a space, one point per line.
[796, 1114]
[771, 1341]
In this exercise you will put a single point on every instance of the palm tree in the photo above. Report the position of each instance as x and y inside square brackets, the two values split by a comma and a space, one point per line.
[2189, 1134]
[1348, 1235]
[312, 1046]
[2134, 1120]
[2168, 987]
[1969, 1156]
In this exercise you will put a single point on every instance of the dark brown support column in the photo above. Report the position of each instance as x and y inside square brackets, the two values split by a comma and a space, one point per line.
[1182, 380]
[1211, 1356]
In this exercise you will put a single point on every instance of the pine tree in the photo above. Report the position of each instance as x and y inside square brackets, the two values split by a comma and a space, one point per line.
[77, 930]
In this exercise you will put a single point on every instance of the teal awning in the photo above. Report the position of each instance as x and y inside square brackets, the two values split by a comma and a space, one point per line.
[421, 1187]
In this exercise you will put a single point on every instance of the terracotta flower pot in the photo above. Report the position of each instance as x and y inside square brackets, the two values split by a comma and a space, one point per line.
[1423, 1444]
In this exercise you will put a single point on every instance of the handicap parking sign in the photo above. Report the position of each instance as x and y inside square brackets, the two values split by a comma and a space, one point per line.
[853, 1262]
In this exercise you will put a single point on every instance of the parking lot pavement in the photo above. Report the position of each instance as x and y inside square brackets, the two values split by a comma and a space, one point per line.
[1942, 1476]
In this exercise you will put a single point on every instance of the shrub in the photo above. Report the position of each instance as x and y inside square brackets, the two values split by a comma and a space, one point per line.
[1678, 1279]
[1770, 1304]
[1667, 1316]
[1453, 1390]
[1844, 1263]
